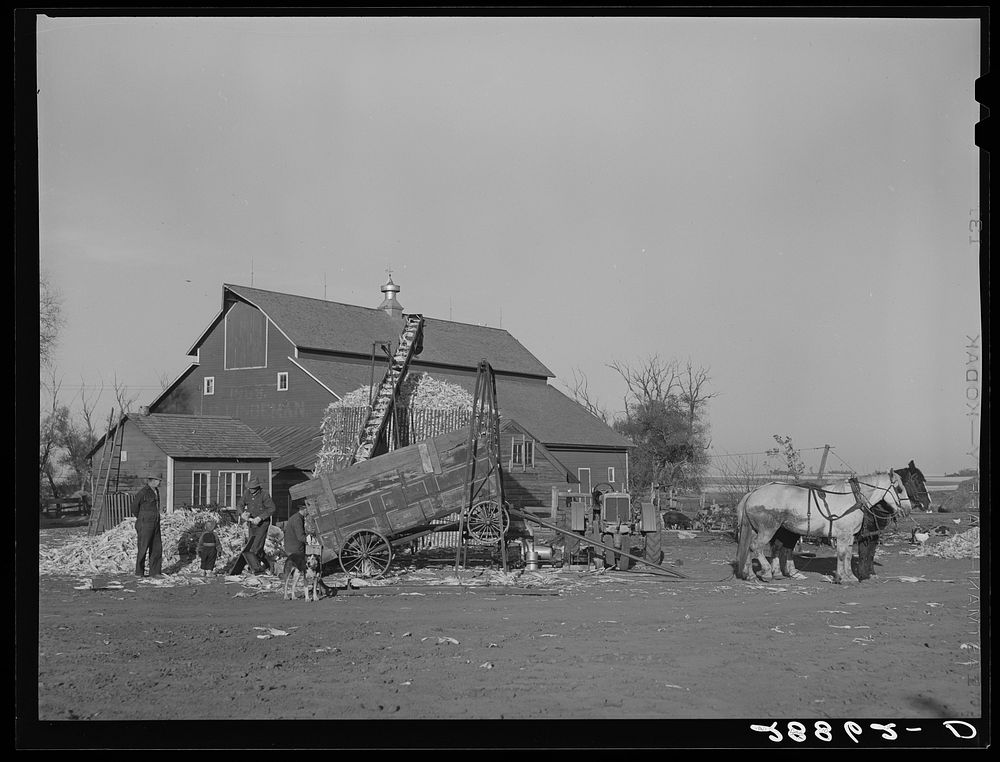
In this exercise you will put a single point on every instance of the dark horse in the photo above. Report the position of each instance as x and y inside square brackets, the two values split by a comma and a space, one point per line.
[916, 490]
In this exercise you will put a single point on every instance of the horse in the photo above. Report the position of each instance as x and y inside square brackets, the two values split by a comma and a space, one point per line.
[833, 511]
[784, 541]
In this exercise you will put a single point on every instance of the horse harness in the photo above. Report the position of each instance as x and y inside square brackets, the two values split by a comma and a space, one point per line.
[816, 494]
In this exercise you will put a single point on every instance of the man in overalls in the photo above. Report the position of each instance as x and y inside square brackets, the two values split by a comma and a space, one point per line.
[258, 507]
[146, 509]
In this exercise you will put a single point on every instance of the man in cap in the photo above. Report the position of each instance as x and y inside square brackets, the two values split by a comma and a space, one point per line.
[146, 509]
[258, 507]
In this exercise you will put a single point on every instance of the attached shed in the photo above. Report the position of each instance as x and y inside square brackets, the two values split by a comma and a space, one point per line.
[204, 460]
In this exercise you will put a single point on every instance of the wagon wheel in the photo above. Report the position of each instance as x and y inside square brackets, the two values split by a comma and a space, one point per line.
[488, 521]
[365, 554]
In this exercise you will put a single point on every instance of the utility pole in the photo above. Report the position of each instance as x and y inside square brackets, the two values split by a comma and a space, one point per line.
[822, 462]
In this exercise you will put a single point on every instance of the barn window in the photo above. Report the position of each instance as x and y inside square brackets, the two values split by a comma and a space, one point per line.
[517, 453]
[209, 385]
[611, 474]
[201, 488]
[522, 453]
[283, 382]
[231, 487]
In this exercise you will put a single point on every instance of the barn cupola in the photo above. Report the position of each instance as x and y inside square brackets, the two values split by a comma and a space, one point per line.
[389, 304]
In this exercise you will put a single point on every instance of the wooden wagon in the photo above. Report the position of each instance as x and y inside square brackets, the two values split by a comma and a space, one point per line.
[360, 513]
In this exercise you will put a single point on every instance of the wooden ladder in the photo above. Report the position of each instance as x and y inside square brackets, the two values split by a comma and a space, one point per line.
[410, 343]
[111, 460]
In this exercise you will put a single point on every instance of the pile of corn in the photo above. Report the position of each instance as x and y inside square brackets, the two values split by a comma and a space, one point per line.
[419, 392]
[964, 545]
[114, 551]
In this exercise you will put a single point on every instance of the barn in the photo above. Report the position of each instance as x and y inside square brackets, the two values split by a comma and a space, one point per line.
[275, 361]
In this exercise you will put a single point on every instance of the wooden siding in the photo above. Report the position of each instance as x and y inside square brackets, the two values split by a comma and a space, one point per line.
[528, 485]
[597, 461]
[250, 394]
[246, 333]
[142, 456]
[183, 478]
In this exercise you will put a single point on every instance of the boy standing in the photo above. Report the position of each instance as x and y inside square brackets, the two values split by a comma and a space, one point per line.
[208, 548]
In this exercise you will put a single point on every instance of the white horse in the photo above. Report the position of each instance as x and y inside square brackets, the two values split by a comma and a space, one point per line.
[830, 511]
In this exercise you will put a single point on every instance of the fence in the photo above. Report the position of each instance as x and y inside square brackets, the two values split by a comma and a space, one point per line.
[116, 509]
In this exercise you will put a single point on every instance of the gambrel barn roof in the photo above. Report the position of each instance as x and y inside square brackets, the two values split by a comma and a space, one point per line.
[346, 329]
[333, 346]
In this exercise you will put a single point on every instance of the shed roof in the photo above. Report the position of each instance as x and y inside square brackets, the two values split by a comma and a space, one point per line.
[348, 329]
[202, 436]
[297, 447]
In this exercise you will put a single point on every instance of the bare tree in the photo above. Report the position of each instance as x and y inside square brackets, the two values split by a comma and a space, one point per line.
[740, 474]
[123, 397]
[87, 407]
[164, 379]
[666, 417]
[51, 433]
[694, 395]
[50, 319]
[580, 391]
[81, 435]
[650, 380]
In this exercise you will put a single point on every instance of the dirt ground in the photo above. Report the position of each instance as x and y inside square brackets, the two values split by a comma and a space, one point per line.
[552, 644]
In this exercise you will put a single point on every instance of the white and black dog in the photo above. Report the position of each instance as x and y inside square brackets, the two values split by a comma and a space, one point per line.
[307, 569]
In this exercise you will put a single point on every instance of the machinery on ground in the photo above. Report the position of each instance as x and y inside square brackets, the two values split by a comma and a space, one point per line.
[615, 520]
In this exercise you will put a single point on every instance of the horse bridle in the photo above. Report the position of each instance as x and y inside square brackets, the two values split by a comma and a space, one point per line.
[896, 486]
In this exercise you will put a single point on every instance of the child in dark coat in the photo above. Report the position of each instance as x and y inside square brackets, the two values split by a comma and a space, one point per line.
[208, 548]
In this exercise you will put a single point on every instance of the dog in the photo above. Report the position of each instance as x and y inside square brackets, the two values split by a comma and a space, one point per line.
[312, 580]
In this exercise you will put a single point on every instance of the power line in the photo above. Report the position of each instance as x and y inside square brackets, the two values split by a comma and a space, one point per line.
[766, 452]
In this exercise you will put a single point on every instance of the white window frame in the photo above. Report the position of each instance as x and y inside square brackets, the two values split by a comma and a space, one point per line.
[283, 376]
[208, 487]
[208, 386]
[611, 474]
[516, 453]
[231, 483]
[522, 453]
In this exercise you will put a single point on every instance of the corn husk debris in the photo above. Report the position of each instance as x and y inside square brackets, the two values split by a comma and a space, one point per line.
[114, 551]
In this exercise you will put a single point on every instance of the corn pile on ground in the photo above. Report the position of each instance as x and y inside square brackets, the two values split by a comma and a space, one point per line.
[964, 545]
[114, 551]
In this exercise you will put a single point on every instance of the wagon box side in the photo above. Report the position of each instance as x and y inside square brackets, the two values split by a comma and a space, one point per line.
[394, 493]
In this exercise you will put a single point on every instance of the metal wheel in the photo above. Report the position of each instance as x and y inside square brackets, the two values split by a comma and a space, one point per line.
[609, 554]
[653, 548]
[488, 521]
[623, 560]
[366, 554]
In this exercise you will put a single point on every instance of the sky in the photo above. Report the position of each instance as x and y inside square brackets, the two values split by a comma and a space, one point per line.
[784, 202]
